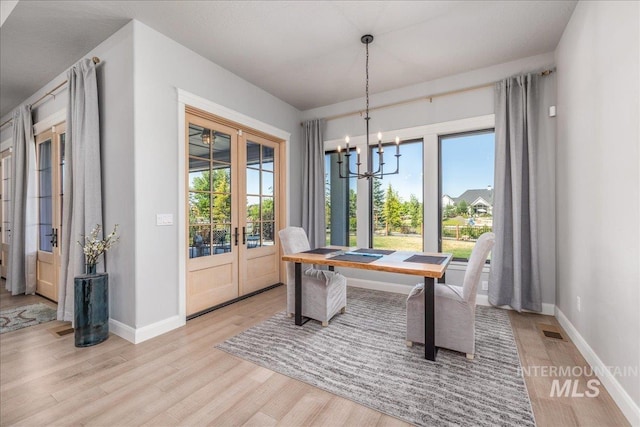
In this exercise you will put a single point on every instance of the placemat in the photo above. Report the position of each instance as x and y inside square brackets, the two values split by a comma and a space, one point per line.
[426, 259]
[375, 251]
[321, 251]
[365, 259]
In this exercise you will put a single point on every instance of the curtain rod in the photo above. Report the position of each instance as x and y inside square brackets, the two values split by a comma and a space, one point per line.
[95, 60]
[420, 98]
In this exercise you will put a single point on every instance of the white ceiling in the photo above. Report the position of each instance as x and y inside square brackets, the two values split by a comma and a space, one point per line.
[307, 53]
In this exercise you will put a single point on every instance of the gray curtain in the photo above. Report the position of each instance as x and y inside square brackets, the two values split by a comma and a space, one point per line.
[82, 205]
[515, 279]
[21, 268]
[313, 220]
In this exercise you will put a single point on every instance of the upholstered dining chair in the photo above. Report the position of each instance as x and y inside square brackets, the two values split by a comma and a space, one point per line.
[455, 306]
[324, 293]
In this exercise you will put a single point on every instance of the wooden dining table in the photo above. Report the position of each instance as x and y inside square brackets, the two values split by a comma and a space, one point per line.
[429, 265]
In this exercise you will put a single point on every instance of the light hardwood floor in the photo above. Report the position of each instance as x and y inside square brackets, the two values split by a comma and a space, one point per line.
[179, 378]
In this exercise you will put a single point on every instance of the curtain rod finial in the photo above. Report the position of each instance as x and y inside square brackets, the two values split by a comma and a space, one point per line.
[95, 60]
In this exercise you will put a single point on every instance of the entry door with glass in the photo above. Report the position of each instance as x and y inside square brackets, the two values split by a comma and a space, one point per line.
[213, 233]
[259, 253]
[232, 210]
[50, 174]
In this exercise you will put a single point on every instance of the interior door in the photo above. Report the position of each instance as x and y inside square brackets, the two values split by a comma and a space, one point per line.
[5, 215]
[50, 171]
[259, 249]
[213, 234]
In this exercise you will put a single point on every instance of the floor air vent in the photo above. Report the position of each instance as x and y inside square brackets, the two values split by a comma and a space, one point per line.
[60, 331]
[551, 331]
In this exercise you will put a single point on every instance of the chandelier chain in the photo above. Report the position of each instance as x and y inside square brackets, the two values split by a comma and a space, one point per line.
[367, 79]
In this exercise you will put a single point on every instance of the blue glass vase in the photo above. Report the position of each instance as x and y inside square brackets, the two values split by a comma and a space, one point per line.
[91, 308]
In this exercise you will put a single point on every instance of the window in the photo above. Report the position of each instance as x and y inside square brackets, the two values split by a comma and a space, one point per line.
[396, 209]
[422, 208]
[466, 190]
[340, 201]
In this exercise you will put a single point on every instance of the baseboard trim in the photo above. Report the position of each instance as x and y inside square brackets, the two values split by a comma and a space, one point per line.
[136, 336]
[122, 330]
[619, 395]
[547, 309]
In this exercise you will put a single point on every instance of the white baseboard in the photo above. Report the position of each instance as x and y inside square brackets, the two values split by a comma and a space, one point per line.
[629, 408]
[122, 330]
[548, 309]
[139, 335]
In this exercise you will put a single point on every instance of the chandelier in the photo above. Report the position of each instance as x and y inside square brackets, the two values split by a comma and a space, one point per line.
[368, 173]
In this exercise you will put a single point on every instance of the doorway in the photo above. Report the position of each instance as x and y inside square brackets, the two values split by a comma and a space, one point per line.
[233, 210]
[50, 178]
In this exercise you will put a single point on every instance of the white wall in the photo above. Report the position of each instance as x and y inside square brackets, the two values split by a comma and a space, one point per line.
[160, 66]
[598, 186]
[455, 107]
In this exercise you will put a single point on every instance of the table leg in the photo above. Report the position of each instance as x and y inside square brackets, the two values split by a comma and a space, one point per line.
[430, 348]
[298, 293]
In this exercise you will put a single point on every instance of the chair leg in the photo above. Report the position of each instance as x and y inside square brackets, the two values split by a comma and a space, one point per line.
[409, 343]
[470, 356]
[343, 310]
[325, 323]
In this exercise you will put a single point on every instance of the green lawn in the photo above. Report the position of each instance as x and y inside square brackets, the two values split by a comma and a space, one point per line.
[459, 249]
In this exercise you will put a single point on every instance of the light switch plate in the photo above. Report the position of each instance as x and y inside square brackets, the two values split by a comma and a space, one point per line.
[164, 219]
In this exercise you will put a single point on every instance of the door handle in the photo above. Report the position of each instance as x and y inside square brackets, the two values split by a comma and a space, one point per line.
[244, 236]
[236, 235]
[54, 237]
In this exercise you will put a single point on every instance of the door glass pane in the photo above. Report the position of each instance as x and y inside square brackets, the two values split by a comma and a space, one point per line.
[267, 183]
[253, 235]
[253, 208]
[221, 178]
[397, 199]
[253, 181]
[45, 197]
[253, 155]
[222, 147]
[198, 145]
[199, 174]
[267, 158]
[199, 208]
[267, 209]
[267, 233]
[221, 239]
[200, 241]
[221, 208]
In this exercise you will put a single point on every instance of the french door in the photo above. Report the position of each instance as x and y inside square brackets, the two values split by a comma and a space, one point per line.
[233, 188]
[50, 174]
[5, 212]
